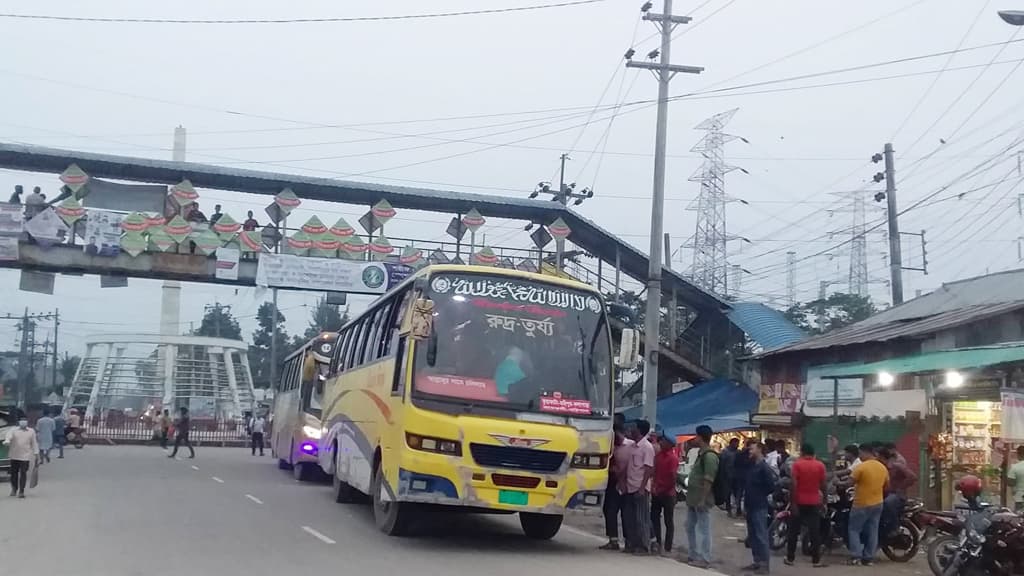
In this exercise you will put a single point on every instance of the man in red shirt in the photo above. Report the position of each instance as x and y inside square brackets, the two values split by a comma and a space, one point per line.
[663, 490]
[809, 483]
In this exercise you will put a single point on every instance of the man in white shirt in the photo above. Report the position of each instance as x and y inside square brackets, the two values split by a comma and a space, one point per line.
[24, 449]
[1015, 478]
[258, 425]
[772, 457]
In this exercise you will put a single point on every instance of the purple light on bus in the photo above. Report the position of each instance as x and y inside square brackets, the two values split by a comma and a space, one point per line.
[308, 448]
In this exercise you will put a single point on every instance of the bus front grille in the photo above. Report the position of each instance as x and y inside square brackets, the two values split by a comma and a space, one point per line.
[518, 458]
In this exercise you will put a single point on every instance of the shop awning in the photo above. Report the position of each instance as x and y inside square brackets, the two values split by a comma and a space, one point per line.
[724, 405]
[941, 361]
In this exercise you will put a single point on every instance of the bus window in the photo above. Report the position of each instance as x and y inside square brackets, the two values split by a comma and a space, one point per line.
[353, 347]
[397, 315]
[380, 335]
[365, 345]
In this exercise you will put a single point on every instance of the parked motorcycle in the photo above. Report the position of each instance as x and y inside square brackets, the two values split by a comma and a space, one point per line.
[990, 543]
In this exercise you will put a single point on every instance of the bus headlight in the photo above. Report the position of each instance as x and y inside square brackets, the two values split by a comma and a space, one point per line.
[590, 461]
[311, 432]
[431, 444]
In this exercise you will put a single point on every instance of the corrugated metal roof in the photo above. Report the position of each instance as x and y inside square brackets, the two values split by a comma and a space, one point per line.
[766, 326]
[989, 289]
[868, 331]
[958, 359]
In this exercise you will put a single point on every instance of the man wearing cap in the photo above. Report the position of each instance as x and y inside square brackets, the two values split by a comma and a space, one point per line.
[663, 491]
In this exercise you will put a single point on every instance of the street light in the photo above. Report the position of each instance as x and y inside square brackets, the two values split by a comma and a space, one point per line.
[1012, 17]
[885, 379]
[954, 379]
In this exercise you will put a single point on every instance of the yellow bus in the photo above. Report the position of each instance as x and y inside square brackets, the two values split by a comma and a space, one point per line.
[295, 425]
[473, 387]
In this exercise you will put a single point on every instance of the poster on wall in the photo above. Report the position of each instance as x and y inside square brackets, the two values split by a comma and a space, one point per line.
[103, 233]
[1013, 415]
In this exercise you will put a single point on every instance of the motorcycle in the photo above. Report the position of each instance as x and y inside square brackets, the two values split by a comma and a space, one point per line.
[75, 437]
[991, 542]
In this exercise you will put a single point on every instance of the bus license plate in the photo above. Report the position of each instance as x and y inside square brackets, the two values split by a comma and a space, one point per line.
[513, 497]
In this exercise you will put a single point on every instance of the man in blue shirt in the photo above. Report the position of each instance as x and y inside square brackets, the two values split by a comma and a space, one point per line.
[761, 482]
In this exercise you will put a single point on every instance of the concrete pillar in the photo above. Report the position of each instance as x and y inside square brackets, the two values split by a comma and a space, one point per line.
[94, 394]
[229, 367]
[169, 356]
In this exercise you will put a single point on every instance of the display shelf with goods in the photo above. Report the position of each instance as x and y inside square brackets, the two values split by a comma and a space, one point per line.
[975, 427]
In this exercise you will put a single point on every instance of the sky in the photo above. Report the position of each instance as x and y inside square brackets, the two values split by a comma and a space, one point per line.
[487, 103]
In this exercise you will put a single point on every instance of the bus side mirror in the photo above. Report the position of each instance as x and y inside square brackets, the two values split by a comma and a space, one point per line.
[422, 319]
[629, 349]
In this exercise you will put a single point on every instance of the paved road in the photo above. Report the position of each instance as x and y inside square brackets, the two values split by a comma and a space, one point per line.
[129, 511]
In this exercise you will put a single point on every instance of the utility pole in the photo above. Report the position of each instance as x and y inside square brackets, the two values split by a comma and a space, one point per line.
[664, 71]
[895, 258]
[790, 278]
[56, 325]
[562, 196]
[23, 358]
[220, 308]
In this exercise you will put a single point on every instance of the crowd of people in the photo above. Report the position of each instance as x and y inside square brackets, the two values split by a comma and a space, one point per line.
[742, 480]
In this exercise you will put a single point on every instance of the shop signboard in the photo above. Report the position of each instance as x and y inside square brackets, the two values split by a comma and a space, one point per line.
[821, 392]
[1013, 415]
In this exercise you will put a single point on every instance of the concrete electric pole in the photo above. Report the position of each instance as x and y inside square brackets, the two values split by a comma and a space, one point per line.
[895, 256]
[664, 71]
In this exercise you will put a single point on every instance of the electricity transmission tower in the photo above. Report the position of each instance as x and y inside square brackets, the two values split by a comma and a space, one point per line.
[710, 268]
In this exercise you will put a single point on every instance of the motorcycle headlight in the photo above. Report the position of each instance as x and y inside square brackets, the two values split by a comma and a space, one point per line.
[975, 537]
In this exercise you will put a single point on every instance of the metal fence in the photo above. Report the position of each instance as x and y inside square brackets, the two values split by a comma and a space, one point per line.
[144, 430]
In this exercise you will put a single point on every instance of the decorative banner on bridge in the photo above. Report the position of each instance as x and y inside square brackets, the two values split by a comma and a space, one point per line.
[46, 228]
[227, 264]
[102, 233]
[10, 219]
[8, 248]
[1013, 415]
[328, 274]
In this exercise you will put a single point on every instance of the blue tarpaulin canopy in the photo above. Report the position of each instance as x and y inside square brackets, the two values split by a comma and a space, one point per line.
[723, 404]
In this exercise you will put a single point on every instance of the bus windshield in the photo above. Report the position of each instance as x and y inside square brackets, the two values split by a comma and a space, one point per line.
[516, 344]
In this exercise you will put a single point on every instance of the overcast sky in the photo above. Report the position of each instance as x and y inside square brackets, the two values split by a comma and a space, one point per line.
[122, 88]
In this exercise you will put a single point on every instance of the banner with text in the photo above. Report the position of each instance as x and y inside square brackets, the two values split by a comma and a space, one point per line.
[328, 274]
[227, 264]
[1013, 415]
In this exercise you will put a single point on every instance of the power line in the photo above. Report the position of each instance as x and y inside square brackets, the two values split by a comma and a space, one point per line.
[435, 15]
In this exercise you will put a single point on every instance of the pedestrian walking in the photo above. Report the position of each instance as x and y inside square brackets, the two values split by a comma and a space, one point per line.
[637, 498]
[44, 435]
[809, 484]
[23, 450]
[761, 482]
[870, 478]
[741, 469]
[181, 428]
[1015, 478]
[165, 428]
[700, 499]
[612, 508]
[663, 492]
[59, 432]
[258, 425]
[728, 470]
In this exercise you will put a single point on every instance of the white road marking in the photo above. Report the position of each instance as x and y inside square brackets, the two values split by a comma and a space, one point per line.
[318, 535]
[215, 479]
[254, 499]
[732, 538]
[194, 467]
[740, 524]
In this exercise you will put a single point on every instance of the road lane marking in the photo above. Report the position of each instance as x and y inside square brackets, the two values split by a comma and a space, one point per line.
[318, 535]
[217, 480]
[254, 499]
[194, 467]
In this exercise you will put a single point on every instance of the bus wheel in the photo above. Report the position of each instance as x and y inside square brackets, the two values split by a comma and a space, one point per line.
[540, 526]
[283, 464]
[302, 471]
[393, 518]
[344, 493]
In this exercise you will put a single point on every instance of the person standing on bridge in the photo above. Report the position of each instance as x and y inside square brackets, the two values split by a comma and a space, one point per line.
[16, 197]
[216, 214]
[250, 223]
[24, 450]
[181, 428]
[257, 426]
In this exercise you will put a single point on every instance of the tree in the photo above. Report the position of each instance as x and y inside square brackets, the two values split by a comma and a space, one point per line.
[259, 353]
[325, 318]
[827, 314]
[68, 368]
[219, 323]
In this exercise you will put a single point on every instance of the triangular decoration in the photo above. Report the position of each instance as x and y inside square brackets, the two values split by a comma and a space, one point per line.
[134, 243]
[134, 222]
[506, 263]
[226, 227]
[527, 265]
[184, 194]
[207, 242]
[559, 229]
[74, 178]
[342, 229]
[159, 241]
[383, 211]
[325, 245]
[287, 201]
[154, 220]
[380, 248]
[251, 241]
[70, 210]
[473, 220]
[438, 257]
[178, 229]
[314, 227]
[410, 255]
[485, 257]
[352, 248]
[298, 244]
